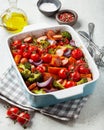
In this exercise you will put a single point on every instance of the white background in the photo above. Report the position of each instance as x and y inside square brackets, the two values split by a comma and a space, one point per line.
[92, 115]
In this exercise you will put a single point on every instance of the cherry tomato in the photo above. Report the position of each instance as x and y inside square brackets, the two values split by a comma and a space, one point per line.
[23, 118]
[17, 52]
[77, 53]
[26, 54]
[75, 76]
[63, 73]
[70, 84]
[23, 47]
[71, 68]
[35, 57]
[17, 43]
[41, 68]
[66, 41]
[83, 69]
[80, 61]
[47, 58]
[13, 112]
[32, 48]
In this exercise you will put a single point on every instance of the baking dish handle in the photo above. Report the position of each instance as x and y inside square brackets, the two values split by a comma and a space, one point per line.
[69, 92]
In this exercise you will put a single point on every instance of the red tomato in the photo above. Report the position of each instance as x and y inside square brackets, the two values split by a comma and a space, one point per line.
[17, 52]
[26, 54]
[71, 68]
[35, 57]
[23, 118]
[47, 58]
[77, 53]
[32, 48]
[41, 68]
[23, 47]
[63, 73]
[70, 84]
[16, 43]
[66, 41]
[13, 112]
[83, 69]
[80, 61]
[75, 76]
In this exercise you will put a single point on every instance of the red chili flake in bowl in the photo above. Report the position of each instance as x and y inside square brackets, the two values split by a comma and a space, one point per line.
[67, 17]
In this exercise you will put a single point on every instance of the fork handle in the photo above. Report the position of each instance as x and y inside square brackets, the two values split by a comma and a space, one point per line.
[91, 30]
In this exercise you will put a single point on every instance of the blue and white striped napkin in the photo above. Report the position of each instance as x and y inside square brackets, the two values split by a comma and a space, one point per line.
[11, 92]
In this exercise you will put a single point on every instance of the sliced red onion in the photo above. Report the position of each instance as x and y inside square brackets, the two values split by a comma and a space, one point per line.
[67, 53]
[45, 83]
[52, 42]
[72, 42]
[35, 63]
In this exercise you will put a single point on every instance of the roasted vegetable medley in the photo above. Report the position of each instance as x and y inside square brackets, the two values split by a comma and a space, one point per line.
[50, 62]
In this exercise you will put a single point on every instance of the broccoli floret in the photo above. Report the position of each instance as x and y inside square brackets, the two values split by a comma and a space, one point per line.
[41, 91]
[83, 80]
[24, 70]
[21, 66]
[57, 85]
[44, 43]
[26, 73]
[35, 77]
[27, 65]
[24, 66]
[66, 34]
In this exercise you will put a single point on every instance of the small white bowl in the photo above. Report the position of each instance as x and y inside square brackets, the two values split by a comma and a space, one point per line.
[49, 7]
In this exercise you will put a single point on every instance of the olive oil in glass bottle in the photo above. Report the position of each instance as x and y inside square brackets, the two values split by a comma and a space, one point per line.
[14, 18]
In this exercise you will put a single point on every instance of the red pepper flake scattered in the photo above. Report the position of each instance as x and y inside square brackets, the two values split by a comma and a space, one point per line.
[66, 17]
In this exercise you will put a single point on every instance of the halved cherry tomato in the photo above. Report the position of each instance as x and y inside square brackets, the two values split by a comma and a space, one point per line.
[41, 68]
[63, 73]
[83, 69]
[75, 76]
[17, 52]
[71, 68]
[77, 53]
[23, 118]
[13, 112]
[16, 43]
[70, 84]
[80, 61]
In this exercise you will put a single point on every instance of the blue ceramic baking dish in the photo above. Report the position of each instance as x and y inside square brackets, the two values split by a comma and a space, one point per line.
[42, 100]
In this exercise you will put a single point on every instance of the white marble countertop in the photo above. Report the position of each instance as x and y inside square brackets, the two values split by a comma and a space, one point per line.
[92, 114]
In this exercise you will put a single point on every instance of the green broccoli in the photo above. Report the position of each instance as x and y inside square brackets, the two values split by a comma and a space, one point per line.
[24, 66]
[66, 34]
[26, 73]
[35, 77]
[57, 85]
[41, 91]
[44, 43]
[83, 80]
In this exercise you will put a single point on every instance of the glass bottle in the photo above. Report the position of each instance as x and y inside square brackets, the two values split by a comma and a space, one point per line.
[14, 18]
